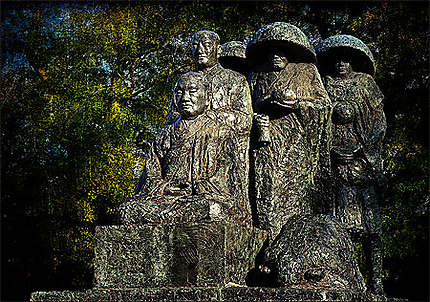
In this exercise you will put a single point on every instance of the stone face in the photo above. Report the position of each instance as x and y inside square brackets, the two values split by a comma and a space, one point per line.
[206, 294]
[207, 254]
[186, 235]
[196, 168]
[314, 252]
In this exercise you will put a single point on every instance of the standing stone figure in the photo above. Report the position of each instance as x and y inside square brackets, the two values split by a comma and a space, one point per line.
[191, 173]
[358, 130]
[229, 100]
[291, 122]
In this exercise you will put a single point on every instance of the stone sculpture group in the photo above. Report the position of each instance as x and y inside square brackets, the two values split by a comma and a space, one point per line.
[278, 157]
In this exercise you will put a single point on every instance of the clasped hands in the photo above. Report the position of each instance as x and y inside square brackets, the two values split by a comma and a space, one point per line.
[284, 97]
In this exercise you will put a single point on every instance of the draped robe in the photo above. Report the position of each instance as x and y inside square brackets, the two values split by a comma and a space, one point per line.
[287, 169]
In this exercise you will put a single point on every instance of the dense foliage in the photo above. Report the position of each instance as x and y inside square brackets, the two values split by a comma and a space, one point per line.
[85, 87]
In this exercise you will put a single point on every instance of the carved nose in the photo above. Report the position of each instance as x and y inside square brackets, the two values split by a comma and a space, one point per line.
[186, 98]
[199, 48]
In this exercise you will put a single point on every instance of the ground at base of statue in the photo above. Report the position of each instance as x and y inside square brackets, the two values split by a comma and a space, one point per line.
[206, 294]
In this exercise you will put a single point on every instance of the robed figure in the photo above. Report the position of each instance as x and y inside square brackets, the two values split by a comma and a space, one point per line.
[191, 171]
[358, 130]
[291, 125]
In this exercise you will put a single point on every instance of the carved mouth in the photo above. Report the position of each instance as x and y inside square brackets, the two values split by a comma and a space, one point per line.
[187, 105]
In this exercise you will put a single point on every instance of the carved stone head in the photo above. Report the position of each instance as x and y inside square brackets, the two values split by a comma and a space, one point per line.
[277, 59]
[190, 95]
[280, 35]
[342, 67]
[347, 49]
[233, 56]
[205, 47]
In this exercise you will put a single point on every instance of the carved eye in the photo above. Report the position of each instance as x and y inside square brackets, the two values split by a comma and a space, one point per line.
[207, 45]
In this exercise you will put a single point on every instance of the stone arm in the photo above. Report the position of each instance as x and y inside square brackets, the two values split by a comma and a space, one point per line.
[242, 105]
[238, 114]
[376, 120]
[314, 111]
[151, 181]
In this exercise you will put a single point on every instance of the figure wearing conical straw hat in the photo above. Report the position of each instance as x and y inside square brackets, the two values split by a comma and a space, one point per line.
[358, 129]
[291, 122]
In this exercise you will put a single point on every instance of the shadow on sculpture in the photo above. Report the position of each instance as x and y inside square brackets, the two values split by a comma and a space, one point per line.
[233, 56]
[313, 252]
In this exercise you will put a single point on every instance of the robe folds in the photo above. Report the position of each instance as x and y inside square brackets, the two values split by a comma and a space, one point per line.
[290, 170]
[359, 127]
[191, 175]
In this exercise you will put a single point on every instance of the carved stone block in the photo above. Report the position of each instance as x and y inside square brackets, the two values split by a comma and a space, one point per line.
[204, 254]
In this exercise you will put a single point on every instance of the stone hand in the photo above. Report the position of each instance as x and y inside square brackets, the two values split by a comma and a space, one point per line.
[261, 121]
[284, 97]
[262, 124]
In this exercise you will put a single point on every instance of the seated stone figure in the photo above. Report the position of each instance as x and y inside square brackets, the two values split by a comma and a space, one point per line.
[191, 168]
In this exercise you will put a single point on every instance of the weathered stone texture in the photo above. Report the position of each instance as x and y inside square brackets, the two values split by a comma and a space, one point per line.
[207, 294]
[233, 56]
[314, 252]
[358, 131]
[281, 34]
[292, 112]
[207, 254]
[331, 47]
[197, 167]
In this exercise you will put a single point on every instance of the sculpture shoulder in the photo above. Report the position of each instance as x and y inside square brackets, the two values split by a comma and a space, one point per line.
[363, 78]
[304, 67]
[372, 90]
[308, 66]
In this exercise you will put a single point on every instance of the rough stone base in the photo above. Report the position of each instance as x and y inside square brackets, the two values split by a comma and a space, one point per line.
[200, 254]
[205, 294]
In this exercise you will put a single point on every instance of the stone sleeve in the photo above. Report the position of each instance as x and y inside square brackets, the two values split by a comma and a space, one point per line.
[151, 181]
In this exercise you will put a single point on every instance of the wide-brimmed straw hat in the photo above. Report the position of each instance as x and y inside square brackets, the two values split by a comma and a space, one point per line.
[233, 56]
[284, 36]
[358, 54]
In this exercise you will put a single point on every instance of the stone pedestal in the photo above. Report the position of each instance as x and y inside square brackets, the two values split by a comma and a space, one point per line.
[230, 294]
[192, 262]
[203, 254]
